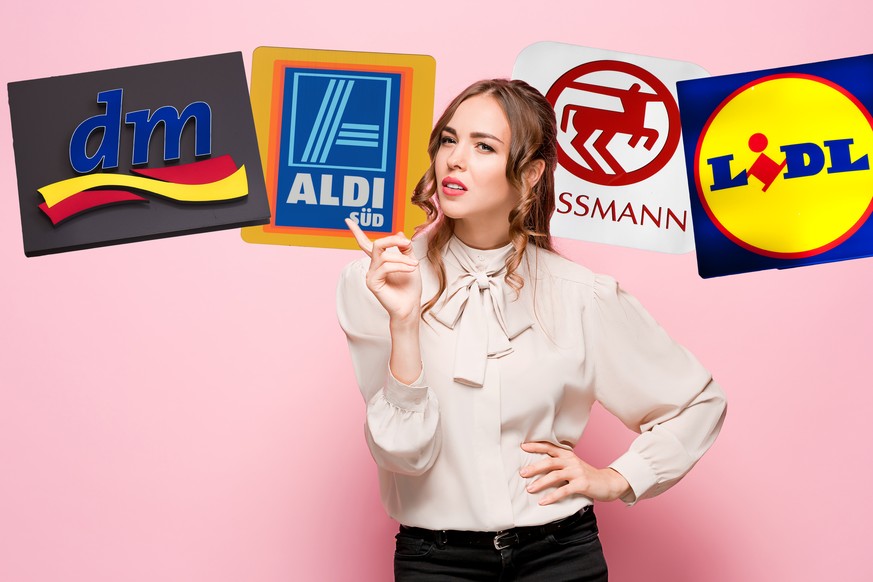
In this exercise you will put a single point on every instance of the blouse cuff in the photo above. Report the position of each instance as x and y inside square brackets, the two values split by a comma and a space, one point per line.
[412, 397]
[638, 474]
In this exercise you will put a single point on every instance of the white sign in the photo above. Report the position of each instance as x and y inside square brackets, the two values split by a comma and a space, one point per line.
[621, 176]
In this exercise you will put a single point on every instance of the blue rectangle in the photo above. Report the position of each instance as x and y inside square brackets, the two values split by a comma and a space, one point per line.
[338, 149]
[717, 255]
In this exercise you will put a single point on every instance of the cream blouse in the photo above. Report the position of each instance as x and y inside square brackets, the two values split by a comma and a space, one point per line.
[499, 371]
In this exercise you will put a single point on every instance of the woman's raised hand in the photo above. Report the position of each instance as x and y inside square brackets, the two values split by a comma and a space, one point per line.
[393, 277]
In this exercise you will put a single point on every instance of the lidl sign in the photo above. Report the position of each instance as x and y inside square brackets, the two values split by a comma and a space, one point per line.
[135, 153]
[779, 165]
[342, 135]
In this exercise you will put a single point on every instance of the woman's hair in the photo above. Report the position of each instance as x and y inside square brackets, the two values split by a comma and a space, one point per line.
[533, 135]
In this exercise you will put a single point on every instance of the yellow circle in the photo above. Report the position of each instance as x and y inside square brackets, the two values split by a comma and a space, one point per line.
[794, 215]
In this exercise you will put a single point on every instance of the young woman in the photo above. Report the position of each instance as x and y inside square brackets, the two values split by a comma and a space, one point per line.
[480, 351]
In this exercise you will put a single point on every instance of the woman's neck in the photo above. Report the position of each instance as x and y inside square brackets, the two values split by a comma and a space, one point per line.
[481, 236]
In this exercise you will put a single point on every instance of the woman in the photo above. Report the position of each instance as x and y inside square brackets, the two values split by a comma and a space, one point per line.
[480, 352]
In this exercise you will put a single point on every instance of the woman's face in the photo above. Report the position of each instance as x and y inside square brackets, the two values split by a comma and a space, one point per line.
[470, 166]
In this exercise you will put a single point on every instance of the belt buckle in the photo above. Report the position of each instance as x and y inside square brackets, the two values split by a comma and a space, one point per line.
[505, 539]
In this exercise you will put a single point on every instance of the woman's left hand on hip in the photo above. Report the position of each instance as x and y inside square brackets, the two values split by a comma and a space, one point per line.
[570, 475]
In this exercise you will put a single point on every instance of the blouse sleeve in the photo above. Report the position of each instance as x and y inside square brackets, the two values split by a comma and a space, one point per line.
[402, 422]
[654, 386]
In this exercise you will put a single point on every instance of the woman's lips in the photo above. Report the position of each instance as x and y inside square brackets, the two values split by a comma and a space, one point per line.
[453, 186]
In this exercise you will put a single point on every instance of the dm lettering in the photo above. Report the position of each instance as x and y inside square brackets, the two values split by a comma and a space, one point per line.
[144, 122]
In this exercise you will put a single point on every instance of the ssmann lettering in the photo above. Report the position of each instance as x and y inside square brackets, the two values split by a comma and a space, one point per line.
[640, 214]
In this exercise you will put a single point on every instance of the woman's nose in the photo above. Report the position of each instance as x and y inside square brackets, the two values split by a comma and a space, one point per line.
[456, 159]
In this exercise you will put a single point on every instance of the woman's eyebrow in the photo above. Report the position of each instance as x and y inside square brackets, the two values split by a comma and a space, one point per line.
[480, 135]
[475, 134]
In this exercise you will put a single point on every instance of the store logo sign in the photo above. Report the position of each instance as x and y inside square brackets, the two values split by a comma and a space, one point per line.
[70, 197]
[342, 148]
[175, 139]
[617, 132]
[343, 136]
[782, 165]
[621, 174]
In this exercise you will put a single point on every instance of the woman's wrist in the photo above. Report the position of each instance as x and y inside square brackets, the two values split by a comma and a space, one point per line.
[618, 484]
[405, 360]
[405, 323]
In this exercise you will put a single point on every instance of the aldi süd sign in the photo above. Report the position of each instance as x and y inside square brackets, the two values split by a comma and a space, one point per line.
[135, 153]
[778, 163]
[343, 136]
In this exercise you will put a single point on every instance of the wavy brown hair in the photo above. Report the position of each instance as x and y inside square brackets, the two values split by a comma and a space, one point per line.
[533, 136]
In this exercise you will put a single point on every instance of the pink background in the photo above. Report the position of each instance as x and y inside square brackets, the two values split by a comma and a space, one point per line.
[184, 410]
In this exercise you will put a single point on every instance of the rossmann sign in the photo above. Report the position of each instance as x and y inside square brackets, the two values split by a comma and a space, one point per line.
[779, 163]
[621, 174]
[135, 153]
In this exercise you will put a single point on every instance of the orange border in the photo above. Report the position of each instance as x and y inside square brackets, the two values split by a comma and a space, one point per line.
[272, 175]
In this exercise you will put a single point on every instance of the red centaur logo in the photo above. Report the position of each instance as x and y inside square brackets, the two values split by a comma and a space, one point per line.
[623, 113]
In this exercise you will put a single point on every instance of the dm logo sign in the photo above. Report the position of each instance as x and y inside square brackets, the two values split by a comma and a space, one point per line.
[135, 153]
[343, 136]
[621, 175]
[781, 166]
[340, 145]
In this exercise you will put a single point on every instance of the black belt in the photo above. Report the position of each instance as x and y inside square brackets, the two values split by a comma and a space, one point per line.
[500, 539]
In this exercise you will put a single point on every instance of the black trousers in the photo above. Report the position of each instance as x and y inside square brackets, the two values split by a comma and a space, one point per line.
[573, 554]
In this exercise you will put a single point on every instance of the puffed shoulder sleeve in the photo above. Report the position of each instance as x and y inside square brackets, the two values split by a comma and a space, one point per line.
[402, 423]
[655, 386]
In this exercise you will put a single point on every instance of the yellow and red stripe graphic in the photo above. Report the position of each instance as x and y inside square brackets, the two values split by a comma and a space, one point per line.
[214, 180]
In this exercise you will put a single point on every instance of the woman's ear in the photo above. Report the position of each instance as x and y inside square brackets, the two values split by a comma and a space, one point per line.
[532, 174]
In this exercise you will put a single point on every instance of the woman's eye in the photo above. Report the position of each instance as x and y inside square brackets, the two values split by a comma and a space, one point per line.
[447, 139]
[485, 147]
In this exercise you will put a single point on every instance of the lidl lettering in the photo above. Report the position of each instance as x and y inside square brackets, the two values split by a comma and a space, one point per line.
[144, 123]
[801, 160]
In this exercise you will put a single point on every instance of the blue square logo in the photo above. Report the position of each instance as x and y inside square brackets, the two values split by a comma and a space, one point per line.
[338, 149]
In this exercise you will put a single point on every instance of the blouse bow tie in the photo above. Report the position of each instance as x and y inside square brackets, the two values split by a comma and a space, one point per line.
[482, 308]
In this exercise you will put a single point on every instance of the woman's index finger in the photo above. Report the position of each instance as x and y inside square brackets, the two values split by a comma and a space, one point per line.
[361, 238]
